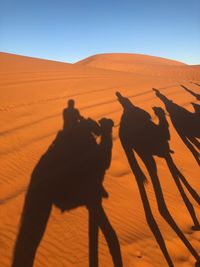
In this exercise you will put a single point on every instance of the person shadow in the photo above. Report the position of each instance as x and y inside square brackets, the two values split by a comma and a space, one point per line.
[138, 134]
[69, 175]
[186, 123]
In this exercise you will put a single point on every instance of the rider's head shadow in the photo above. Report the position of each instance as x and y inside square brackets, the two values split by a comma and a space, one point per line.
[186, 123]
[71, 103]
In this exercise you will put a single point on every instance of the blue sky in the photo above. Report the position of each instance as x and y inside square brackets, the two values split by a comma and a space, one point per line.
[70, 30]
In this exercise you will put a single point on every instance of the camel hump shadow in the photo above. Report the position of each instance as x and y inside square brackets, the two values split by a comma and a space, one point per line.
[86, 173]
[155, 140]
[70, 174]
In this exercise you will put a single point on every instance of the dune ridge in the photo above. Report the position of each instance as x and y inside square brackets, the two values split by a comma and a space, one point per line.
[129, 59]
[136, 63]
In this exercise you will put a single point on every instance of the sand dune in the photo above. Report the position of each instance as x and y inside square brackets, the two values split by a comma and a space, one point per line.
[33, 94]
[117, 58]
[141, 64]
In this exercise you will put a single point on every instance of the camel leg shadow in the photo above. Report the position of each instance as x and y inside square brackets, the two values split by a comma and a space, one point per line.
[93, 239]
[162, 207]
[192, 149]
[194, 141]
[98, 219]
[140, 179]
[178, 177]
[34, 219]
[187, 185]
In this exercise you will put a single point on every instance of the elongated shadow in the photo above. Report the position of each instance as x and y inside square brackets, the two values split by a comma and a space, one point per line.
[186, 123]
[138, 133]
[196, 83]
[69, 175]
[140, 179]
[191, 92]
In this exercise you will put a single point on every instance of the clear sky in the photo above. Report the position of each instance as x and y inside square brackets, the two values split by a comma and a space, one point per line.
[70, 30]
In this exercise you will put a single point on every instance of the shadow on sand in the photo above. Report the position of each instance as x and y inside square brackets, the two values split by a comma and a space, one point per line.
[191, 92]
[70, 174]
[186, 123]
[139, 134]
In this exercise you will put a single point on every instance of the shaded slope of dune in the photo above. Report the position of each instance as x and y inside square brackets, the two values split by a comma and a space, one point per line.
[33, 94]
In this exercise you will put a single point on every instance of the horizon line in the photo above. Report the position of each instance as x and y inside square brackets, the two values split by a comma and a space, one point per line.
[102, 53]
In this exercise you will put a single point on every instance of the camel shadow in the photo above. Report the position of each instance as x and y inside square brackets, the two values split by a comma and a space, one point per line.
[186, 123]
[69, 175]
[139, 134]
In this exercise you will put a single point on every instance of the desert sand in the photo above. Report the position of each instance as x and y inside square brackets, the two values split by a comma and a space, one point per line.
[33, 94]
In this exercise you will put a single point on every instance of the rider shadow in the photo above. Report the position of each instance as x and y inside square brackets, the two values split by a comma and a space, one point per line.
[139, 134]
[186, 123]
[69, 175]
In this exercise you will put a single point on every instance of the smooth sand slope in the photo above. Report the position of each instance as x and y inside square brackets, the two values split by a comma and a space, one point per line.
[33, 94]
[139, 64]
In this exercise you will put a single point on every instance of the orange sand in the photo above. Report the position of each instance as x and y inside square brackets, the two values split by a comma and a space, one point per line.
[32, 96]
